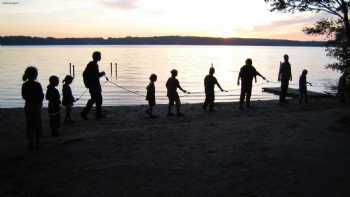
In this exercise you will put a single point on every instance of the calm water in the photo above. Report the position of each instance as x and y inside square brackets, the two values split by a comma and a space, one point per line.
[136, 63]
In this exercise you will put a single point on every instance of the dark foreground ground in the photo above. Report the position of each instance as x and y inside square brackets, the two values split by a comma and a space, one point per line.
[265, 151]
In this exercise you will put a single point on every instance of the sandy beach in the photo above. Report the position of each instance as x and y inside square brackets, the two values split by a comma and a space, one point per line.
[269, 150]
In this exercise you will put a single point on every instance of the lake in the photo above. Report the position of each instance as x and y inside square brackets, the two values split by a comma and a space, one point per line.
[136, 63]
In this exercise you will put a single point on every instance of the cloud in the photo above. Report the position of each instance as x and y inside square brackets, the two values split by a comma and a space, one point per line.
[121, 4]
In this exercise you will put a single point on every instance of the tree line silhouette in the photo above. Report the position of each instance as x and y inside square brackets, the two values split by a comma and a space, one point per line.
[160, 40]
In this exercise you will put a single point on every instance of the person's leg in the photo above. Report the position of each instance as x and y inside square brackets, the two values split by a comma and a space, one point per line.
[171, 103]
[242, 97]
[89, 104]
[282, 95]
[284, 90]
[178, 106]
[206, 102]
[249, 94]
[301, 95]
[98, 99]
[211, 103]
[67, 117]
[38, 129]
[305, 95]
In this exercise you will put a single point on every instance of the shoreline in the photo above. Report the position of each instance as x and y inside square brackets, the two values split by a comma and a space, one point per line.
[269, 150]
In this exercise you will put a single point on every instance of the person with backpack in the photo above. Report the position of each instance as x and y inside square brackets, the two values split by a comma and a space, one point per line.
[91, 76]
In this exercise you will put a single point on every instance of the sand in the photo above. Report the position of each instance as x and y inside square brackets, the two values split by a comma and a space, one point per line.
[269, 150]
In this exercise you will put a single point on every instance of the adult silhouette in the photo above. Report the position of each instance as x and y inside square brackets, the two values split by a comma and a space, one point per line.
[91, 78]
[246, 75]
[284, 76]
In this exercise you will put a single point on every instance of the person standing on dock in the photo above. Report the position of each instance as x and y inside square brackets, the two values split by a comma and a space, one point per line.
[209, 84]
[284, 76]
[246, 75]
[172, 85]
[91, 78]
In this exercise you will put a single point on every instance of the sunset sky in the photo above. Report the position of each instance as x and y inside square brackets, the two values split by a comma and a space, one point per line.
[119, 18]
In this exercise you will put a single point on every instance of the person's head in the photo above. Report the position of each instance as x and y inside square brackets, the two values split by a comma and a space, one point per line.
[304, 72]
[249, 62]
[31, 73]
[286, 58]
[211, 70]
[173, 73]
[68, 79]
[54, 80]
[153, 77]
[96, 56]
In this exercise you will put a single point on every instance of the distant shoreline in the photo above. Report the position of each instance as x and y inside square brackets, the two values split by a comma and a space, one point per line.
[163, 40]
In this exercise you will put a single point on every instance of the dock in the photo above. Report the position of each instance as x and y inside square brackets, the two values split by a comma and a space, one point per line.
[294, 93]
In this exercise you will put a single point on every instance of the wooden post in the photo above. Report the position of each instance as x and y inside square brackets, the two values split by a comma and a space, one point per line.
[73, 71]
[111, 69]
[70, 68]
[116, 71]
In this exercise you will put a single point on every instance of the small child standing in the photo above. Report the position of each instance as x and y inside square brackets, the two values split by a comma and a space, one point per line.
[68, 99]
[303, 87]
[151, 95]
[33, 95]
[53, 96]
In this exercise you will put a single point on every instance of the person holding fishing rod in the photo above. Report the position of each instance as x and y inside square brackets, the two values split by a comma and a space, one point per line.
[172, 85]
[91, 76]
[246, 75]
[209, 84]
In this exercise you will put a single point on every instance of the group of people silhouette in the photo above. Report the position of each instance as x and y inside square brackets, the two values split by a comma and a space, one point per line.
[32, 93]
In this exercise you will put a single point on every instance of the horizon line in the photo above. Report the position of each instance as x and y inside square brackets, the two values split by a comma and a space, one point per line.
[181, 36]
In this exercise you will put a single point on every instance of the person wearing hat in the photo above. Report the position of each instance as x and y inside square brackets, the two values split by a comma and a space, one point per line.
[209, 84]
[172, 85]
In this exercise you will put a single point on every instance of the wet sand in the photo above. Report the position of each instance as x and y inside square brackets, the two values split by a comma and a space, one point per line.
[269, 150]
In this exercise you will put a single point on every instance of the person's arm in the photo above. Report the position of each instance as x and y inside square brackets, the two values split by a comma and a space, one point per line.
[222, 90]
[260, 75]
[183, 90]
[290, 71]
[239, 77]
[101, 74]
[41, 92]
[279, 72]
[178, 86]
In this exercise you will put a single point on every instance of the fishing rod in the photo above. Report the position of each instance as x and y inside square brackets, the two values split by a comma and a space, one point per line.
[124, 88]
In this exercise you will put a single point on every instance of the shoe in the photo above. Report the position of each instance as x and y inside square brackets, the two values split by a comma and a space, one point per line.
[170, 114]
[204, 107]
[148, 112]
[83, 116]
[179, 114]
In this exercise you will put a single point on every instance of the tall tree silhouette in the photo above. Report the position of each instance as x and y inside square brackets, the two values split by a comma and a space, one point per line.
[336, 27]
